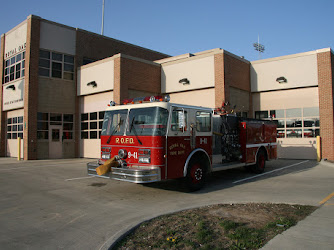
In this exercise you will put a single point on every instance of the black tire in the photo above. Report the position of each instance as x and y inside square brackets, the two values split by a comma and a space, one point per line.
[260, 164]
[196, 175]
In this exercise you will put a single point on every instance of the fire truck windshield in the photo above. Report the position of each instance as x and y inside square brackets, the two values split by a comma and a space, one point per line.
[148, 121]
[114, 122]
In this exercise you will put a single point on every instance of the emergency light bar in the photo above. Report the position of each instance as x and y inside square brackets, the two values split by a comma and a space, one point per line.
[159, 98]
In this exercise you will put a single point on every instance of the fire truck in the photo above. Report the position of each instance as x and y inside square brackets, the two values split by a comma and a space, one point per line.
[150, 139]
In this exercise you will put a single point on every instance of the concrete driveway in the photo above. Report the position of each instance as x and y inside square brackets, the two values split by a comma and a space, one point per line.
[53, 204]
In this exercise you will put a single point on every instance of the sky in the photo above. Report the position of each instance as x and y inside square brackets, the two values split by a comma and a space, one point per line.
[176, 27]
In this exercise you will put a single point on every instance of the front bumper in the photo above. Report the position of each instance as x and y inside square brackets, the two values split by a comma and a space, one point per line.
[134, 174]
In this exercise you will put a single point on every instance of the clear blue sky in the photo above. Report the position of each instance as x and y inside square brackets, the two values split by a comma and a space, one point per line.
[176, 27]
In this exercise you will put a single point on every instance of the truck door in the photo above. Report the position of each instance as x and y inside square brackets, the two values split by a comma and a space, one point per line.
[178, 141]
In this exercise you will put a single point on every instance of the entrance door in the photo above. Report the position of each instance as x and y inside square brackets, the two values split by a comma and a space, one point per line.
[55, 141]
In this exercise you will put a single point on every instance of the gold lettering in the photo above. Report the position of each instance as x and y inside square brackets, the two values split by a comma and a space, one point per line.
[117, 140]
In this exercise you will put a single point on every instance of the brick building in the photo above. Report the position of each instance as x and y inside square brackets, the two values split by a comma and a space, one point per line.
[57, 81]
[39, 59]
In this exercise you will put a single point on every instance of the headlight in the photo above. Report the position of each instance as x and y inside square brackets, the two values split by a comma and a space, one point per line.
[105, 155]
[144, 159]
[122, 153]
[144, 155]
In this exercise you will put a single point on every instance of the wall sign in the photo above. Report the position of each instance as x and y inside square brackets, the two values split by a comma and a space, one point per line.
[16, 50]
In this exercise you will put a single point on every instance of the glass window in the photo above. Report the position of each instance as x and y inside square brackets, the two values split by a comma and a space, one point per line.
[68, 118]
[293, 123]
[42, 116]
[18, 57]
[84, 117]
[20, 127]
[280, 123]
[84, 135]
[114, 122]
[101, 115]
[44, 54]
[68, 67]
[261, 114]
[311, 122]
[42, 125]
[314, 111]
[44, 63]
[20, 135]
[62, 66]
[93, 125]
[280, 133]
[179, 120]
[293, 113]
[67, 135]
[68, 126]
[20, 119]
[93, 135]
[294, 133]
[55, 135]
[93, 116]
[57, 57]
[69, 59]
[277, 113]
[203, 121]
[148, 121]
[55, 117]
[84, 125]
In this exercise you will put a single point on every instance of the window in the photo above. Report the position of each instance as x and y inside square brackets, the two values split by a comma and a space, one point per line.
[15, 127]
[56, 65]
[179, 120]
[203, 121]
[147, 121]
[14, 67]
[295, 123]
[67, 126]
[91, 125]
[261, 114]
[44, 120]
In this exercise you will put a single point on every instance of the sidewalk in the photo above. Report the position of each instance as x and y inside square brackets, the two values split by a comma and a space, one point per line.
[315, 232]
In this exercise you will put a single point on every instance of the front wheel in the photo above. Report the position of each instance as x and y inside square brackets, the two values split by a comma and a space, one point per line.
[260, 164]
[196, 175]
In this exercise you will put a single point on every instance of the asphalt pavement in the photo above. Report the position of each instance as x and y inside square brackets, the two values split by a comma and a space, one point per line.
[53, 204]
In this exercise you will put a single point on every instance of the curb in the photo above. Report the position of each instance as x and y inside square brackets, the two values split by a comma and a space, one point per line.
[326, 163]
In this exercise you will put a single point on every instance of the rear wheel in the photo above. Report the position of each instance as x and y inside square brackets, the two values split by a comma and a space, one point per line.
[260, 165]
[196, 175]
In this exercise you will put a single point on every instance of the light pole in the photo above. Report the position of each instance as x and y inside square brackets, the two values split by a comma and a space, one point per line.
[102, 27]
[258, 47]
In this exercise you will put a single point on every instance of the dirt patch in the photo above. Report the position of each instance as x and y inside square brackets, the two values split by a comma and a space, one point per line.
[226, 226]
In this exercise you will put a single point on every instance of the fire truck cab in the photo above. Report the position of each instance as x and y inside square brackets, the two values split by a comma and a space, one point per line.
[158, 140]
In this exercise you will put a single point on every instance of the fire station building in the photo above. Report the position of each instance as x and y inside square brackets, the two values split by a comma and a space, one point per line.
[57, 82]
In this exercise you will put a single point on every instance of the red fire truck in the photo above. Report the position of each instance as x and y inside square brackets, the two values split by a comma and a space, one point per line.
[152, 140]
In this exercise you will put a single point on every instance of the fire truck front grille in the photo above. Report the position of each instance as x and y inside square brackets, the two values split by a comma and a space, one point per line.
[136, 175]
